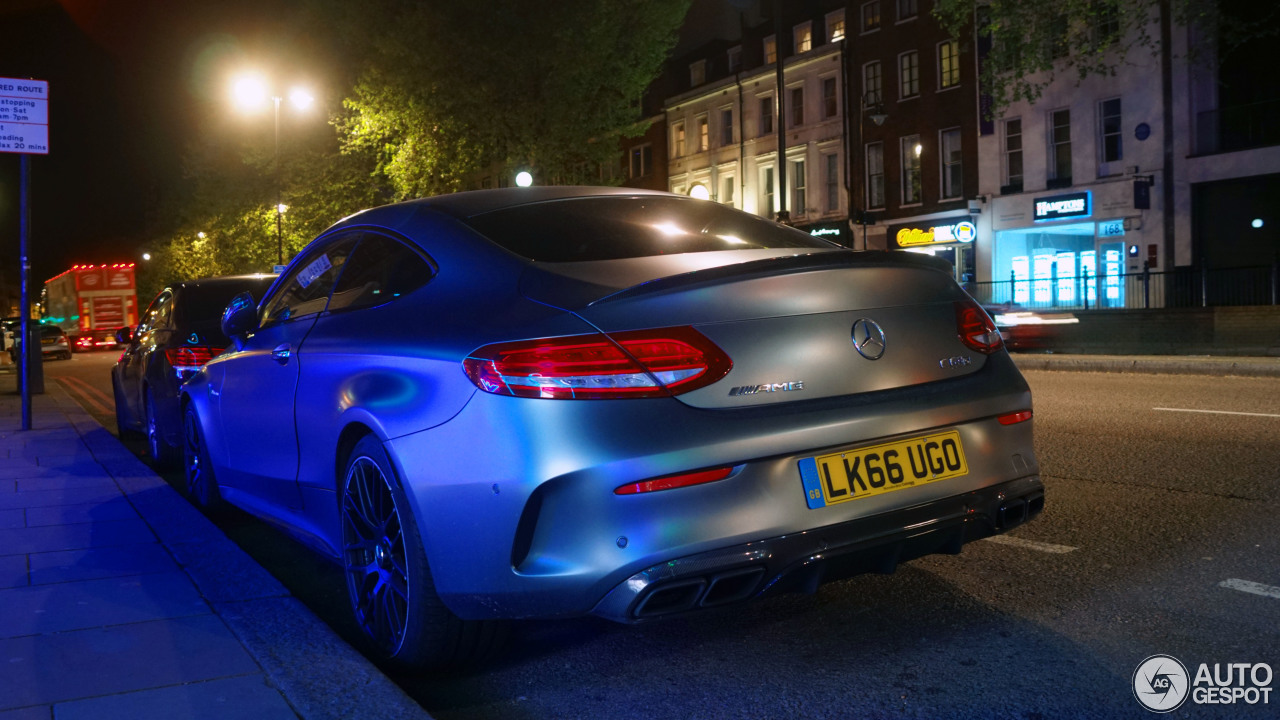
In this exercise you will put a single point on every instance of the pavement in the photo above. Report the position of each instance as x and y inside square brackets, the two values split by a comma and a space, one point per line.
[1220, 365]
[118, 599]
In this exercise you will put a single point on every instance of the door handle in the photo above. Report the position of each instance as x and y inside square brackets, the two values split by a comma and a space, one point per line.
[281, 353]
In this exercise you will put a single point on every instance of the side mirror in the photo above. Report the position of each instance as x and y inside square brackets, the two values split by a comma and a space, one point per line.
[124, 336]
[240, 318]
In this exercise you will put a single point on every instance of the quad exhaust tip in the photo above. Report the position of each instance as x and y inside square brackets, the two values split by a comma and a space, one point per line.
[704, 592]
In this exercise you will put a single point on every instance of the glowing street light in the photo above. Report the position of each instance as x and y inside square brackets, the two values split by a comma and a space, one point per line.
[250, 92]
[146, 256]
[524, 179]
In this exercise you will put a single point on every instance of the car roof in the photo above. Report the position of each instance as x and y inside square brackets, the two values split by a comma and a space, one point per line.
[235, 280]
[468, 204]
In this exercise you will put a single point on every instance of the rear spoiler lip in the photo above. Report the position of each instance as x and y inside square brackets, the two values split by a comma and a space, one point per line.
[778, 266]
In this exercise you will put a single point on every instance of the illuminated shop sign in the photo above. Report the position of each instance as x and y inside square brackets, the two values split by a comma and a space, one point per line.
[822, 232]
[1056, 207]
[963, 231]
[834, 232]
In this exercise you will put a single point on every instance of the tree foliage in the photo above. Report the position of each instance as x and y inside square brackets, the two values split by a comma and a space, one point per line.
[449, 90]
[1034, 42]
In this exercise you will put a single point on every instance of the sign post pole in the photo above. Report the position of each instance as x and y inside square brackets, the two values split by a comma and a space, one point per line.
[24, 129]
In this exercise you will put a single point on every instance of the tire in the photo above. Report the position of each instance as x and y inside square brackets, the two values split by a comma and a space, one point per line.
[123, 431]
[201, 485]
[402, 620]
[163, 454]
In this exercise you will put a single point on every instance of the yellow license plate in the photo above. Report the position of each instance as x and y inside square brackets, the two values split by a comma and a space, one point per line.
[864, 472]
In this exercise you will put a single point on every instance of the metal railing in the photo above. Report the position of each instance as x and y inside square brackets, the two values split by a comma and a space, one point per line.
[1184, 287]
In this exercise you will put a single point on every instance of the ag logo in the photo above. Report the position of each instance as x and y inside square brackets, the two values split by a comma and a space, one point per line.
[1160, 683]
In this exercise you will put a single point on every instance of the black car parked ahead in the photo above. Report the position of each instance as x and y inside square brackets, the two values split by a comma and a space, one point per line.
[180, 331]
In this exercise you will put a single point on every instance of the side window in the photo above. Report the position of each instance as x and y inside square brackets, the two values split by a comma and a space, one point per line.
[157, 312]
[380, 270]
[306, 291]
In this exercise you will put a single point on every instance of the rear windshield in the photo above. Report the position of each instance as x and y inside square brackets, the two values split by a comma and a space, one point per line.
[612, 228]
[201, 304]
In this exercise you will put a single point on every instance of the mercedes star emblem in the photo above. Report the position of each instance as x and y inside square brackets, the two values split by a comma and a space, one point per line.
[868, 339]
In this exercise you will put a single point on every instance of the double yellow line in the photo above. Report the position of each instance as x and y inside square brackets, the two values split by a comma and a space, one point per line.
[88, 395]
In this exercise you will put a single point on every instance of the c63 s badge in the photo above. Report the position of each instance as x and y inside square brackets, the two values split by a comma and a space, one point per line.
[767, 388]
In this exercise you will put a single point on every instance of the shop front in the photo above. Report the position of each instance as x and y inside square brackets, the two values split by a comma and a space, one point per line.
[1066, 256]
[950, 238]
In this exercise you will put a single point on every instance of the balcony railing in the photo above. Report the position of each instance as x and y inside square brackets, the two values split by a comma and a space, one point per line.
[1240, 127]
[1185, 287]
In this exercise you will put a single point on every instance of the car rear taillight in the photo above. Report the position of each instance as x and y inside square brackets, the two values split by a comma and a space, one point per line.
[976, 329]
[188, 359]
[1015, 418]
[674, 481]
[633, 364]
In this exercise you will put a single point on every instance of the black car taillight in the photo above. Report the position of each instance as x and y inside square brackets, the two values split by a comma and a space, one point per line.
[188, 359]
[633, 364]
[976, 329]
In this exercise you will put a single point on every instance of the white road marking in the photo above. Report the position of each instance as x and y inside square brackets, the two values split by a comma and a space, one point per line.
[1219, 412]
[1031, 544]
[1251, 587]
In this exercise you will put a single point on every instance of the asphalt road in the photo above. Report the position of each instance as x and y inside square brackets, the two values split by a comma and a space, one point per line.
[1161, 535]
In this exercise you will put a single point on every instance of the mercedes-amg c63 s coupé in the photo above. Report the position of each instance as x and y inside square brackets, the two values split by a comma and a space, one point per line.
[553, 402]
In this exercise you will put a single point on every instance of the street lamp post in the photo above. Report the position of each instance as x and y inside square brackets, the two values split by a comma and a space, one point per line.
[250, 91]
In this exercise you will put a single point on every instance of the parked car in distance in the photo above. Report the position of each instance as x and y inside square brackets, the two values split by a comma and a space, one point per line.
[178, 332]
[556, 402]
[53, 343]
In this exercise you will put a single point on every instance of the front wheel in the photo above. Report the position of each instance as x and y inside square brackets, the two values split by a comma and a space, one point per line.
[201, 485]
[393, 597]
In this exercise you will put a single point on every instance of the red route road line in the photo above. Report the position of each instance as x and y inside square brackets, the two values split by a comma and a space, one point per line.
[89, 393]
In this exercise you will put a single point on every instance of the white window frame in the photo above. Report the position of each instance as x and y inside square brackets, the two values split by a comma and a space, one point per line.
[735, 58]
[802, 35]
[870, 176]
[1055, 172]
[768, 44]
[955, 62]
[767, 197]
[703, 125]
[726, 126]
[862, 17]
[834, 18]
[911, 6]
[798, 174]
[906, 152]
[1103, 162]
[831, 185]
[902, 76]
[1006, 153]
[879, 84]
[728, 180]
[792, 106]
[678, 139]
[637, 151]
[945, 163]
[764, 102]
[835, 85]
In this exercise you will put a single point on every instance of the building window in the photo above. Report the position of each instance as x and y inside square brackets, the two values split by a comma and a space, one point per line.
[872, 85]
[831, 177]
[1060, 144]
[798, 199]
[726, 127]
[766, 115]
[1013, 155]
[875, 175]
[909, 74]
[735, 59]
[1112, 149]
[770, 50]
[910, 151]
[727, 188]
[797, 106]
[948, 64]
[697, 73]
[871, 16]
[803, 36]
[835, 26]
[704, 133]
[952, 164]
[677, 139]
[767, 208]
[1106, 22]
[830, 104]
[907, 9]
[641, 160]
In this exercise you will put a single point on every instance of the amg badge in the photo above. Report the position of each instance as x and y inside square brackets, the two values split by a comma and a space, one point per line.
[775, 387]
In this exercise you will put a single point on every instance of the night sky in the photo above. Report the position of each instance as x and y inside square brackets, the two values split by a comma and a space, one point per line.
[129, 82]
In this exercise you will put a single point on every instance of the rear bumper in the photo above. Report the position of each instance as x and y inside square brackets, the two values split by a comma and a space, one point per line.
[801, 561]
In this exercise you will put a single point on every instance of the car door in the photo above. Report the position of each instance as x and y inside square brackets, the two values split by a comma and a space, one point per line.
[134, 360]
[258, 382]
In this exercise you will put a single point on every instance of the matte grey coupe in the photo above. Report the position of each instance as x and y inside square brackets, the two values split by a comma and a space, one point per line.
[554, 402]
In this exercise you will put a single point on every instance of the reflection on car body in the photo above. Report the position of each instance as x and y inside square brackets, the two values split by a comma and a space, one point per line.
[520, 403]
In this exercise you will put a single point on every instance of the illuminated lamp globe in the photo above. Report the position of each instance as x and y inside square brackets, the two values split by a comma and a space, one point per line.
[524, 179]
[699, 192]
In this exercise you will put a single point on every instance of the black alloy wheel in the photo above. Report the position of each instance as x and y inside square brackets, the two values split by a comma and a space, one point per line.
[201, 486]
[393, 598]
